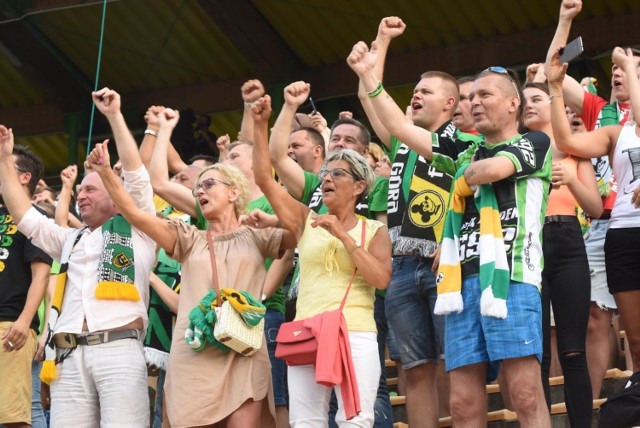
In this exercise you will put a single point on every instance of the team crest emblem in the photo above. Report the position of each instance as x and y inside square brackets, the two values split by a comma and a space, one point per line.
[121, 261]
[427, 209]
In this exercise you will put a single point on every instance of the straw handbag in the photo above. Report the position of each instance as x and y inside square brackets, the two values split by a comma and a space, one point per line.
[230, 328]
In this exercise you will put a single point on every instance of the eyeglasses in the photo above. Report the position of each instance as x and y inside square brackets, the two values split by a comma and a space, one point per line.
[206, 185]
[335, 173]
[503, 71]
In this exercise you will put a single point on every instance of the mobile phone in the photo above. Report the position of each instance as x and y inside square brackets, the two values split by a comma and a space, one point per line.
[573, 50]
[313, 106]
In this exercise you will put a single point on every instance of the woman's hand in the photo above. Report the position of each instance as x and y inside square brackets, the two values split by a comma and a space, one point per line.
[556, 70]
[560, 175]
[331, 224]
[259, 219]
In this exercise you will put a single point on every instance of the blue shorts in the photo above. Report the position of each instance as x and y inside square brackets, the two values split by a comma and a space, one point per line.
[471, 338]
[272, 321]
[409, 302]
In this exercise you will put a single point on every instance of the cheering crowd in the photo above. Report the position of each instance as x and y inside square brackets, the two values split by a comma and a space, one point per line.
[489, 232]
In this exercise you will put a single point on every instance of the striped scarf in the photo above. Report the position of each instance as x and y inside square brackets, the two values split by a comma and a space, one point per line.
[494, 268]
[48, 372]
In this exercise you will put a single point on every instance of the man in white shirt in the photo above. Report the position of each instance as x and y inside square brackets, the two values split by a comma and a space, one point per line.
[102, 379]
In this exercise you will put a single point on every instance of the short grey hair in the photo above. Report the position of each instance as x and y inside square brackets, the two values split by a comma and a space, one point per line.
[360, 168]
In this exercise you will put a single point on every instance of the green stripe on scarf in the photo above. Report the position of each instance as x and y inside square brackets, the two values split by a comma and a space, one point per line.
[116, 274]
[494, 268]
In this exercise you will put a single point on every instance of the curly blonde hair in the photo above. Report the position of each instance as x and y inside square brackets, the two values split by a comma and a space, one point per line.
[236, 179]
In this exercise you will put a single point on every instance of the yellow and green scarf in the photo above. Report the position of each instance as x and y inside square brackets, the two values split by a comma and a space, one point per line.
[494, 267]
[202, 318]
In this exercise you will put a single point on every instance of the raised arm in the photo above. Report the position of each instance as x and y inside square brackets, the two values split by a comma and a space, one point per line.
[627, 62]
[251, 92]
[291, 213]
[586, 144]
[154, 227]
[15, 198]
[389, 28]
[108, 102]
[291, 174]
[174, 193]
[571, 89]
[62, 216]
[362, 61]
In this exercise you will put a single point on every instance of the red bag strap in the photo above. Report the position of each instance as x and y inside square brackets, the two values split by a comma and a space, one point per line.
[214, 268]
[353, 275]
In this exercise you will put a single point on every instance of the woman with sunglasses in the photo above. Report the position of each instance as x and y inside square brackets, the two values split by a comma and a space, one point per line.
[331, 247]
[622, 144]
[566, 283]
[209, 386]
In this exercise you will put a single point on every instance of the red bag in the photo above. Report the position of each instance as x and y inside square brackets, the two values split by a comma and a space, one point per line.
[296, 344]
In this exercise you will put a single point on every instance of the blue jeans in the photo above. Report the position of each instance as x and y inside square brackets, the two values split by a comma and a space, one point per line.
[272, 322]
[410, 300]
[37, 411]
[157, 416]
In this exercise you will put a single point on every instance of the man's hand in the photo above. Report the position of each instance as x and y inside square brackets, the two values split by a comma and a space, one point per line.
[569, 9]
[68, 176]
[40, 345]
[535, 73]
[391, 27]
[98, 160]
[16, 335]
[345, 115]
[261, 110]
[168, 119]
[623, 58]
[223, 143]
[6, 141]
[318, 122]
[252, 90]
[151, 117]
[361, 59]
[108, 102]
[296, 93]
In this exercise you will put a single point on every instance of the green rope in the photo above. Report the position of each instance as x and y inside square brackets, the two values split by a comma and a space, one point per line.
[95, 87]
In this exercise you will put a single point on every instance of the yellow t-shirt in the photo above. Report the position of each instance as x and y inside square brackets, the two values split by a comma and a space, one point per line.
[325, 270]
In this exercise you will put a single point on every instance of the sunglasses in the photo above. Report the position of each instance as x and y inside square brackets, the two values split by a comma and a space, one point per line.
[335, 173]
[503, 71]
[206, 185]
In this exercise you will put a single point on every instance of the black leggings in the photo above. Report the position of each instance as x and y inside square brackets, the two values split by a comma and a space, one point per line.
[567, 285]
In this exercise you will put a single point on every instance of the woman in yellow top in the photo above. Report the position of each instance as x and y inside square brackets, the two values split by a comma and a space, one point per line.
[330, 248]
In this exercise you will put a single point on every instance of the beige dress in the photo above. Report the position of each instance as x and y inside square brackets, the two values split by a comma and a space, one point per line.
[205, 387]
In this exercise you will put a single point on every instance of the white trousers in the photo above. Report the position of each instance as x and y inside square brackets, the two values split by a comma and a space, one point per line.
[102, 385]
[309, 401]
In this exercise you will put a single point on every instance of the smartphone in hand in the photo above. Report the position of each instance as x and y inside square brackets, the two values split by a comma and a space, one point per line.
[573, 50]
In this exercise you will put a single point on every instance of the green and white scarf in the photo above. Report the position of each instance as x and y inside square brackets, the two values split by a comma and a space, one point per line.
[494, 268]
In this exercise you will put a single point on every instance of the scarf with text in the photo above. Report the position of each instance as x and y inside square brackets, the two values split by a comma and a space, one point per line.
[417, 201]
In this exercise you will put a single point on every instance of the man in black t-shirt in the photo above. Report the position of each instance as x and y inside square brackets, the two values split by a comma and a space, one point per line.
[24, 273]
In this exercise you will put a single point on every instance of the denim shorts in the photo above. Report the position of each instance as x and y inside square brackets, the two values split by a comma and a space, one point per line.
[272, 321]
[594, 244]
[471, 338]
[411, 296]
